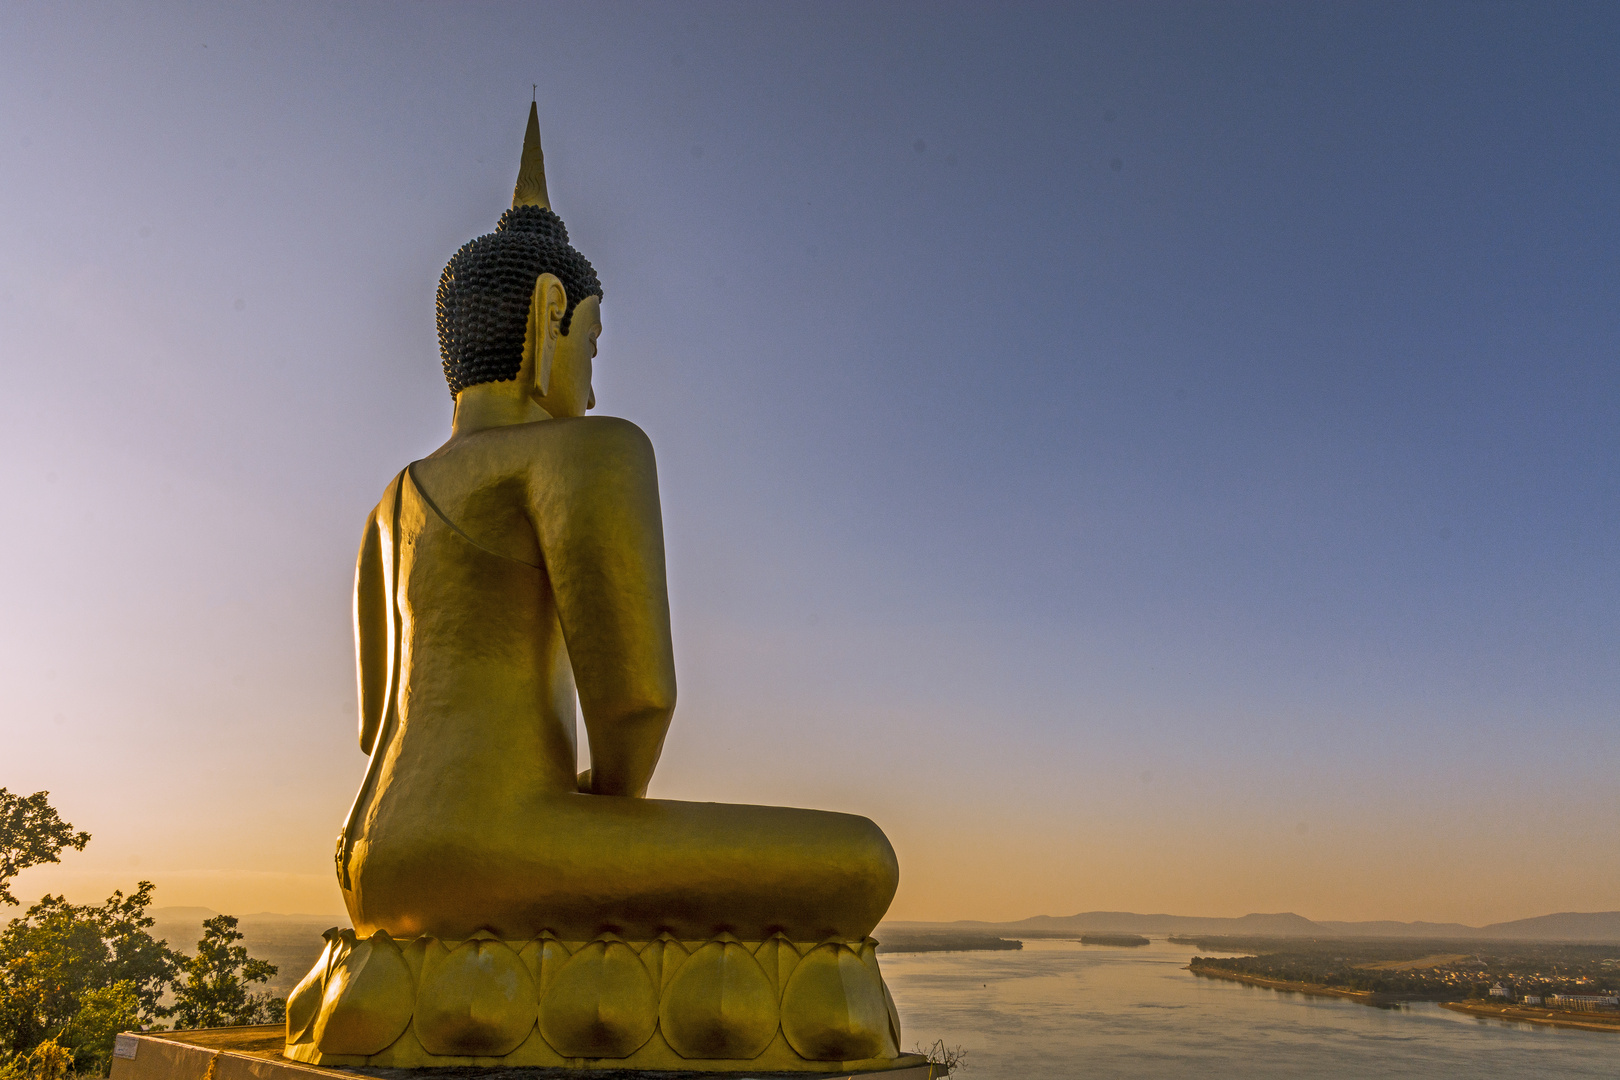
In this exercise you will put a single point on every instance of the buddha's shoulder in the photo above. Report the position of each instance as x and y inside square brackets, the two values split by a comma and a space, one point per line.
[571, 443]
[583, 453]
[567, 436]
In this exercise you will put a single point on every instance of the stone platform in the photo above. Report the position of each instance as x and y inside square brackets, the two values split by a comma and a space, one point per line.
[255, 1053]
[716, 1006]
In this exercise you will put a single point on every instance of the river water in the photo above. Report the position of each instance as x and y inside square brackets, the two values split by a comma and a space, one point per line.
[1060, 1009]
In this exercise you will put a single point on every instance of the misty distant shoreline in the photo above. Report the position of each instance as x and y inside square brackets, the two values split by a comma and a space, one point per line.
[1592, 927]
[1570, 926]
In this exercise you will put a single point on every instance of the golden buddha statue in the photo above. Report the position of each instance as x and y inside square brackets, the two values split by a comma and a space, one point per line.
[508, 909]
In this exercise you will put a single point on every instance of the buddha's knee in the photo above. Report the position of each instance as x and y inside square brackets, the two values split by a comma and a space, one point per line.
[868, 859]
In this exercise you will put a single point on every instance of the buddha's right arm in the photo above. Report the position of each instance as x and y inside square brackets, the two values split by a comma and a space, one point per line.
[595, 508]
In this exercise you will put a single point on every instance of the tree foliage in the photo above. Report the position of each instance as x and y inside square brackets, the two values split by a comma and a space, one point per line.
[31, 833]
[75, 973]
[50, 1060]
[104, 1011]
[217, 979]
[73, 976]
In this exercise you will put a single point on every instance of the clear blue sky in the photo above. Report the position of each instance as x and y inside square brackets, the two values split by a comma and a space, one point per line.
[1146, 456]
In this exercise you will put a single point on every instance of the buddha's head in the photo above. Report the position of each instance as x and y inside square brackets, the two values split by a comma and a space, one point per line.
[520, 303]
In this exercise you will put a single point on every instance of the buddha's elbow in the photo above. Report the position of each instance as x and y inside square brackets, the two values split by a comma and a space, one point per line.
[875, 862]
[656, 700]
[644, 715]
[649, 718]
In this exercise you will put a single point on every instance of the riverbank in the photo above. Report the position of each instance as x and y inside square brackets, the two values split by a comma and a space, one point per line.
[902, 943]
[1531, 1015]
[1525, 1014]
[1366, 997]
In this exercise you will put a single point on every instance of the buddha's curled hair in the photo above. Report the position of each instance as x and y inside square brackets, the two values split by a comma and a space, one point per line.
[485, 289]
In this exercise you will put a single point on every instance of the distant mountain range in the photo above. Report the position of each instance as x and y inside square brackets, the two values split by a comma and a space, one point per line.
[199, 915]
[1600, 926]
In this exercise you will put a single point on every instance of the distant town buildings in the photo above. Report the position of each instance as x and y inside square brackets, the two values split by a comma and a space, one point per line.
[1583, 1002]
[1501, 991]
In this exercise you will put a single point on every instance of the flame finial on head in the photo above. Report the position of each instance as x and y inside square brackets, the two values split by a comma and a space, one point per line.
[531, 181]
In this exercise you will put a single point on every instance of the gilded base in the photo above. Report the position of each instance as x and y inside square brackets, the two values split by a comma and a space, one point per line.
[713, 1006]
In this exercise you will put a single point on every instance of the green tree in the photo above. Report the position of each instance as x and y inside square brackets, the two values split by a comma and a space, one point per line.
[31, 833]
[71, 974]
[135, 956]
[103, 1013]
[217, 978]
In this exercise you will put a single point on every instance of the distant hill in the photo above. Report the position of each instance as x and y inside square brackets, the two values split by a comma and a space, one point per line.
[199, 915]
[1601, 926]
[1401, 929]
[1285, 924]
[184, 924]
[1564, 926]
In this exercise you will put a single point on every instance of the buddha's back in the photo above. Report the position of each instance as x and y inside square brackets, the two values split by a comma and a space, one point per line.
[482, 719]
[486, 693]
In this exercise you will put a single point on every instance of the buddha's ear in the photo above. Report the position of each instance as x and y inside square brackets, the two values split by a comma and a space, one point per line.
[547, 306]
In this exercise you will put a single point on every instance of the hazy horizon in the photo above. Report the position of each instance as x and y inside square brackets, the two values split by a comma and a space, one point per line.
[1150, 457]
[169, 912]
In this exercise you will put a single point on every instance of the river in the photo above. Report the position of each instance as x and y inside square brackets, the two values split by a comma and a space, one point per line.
[1060, 1009]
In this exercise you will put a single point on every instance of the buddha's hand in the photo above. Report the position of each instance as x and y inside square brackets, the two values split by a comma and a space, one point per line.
[584, 781]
